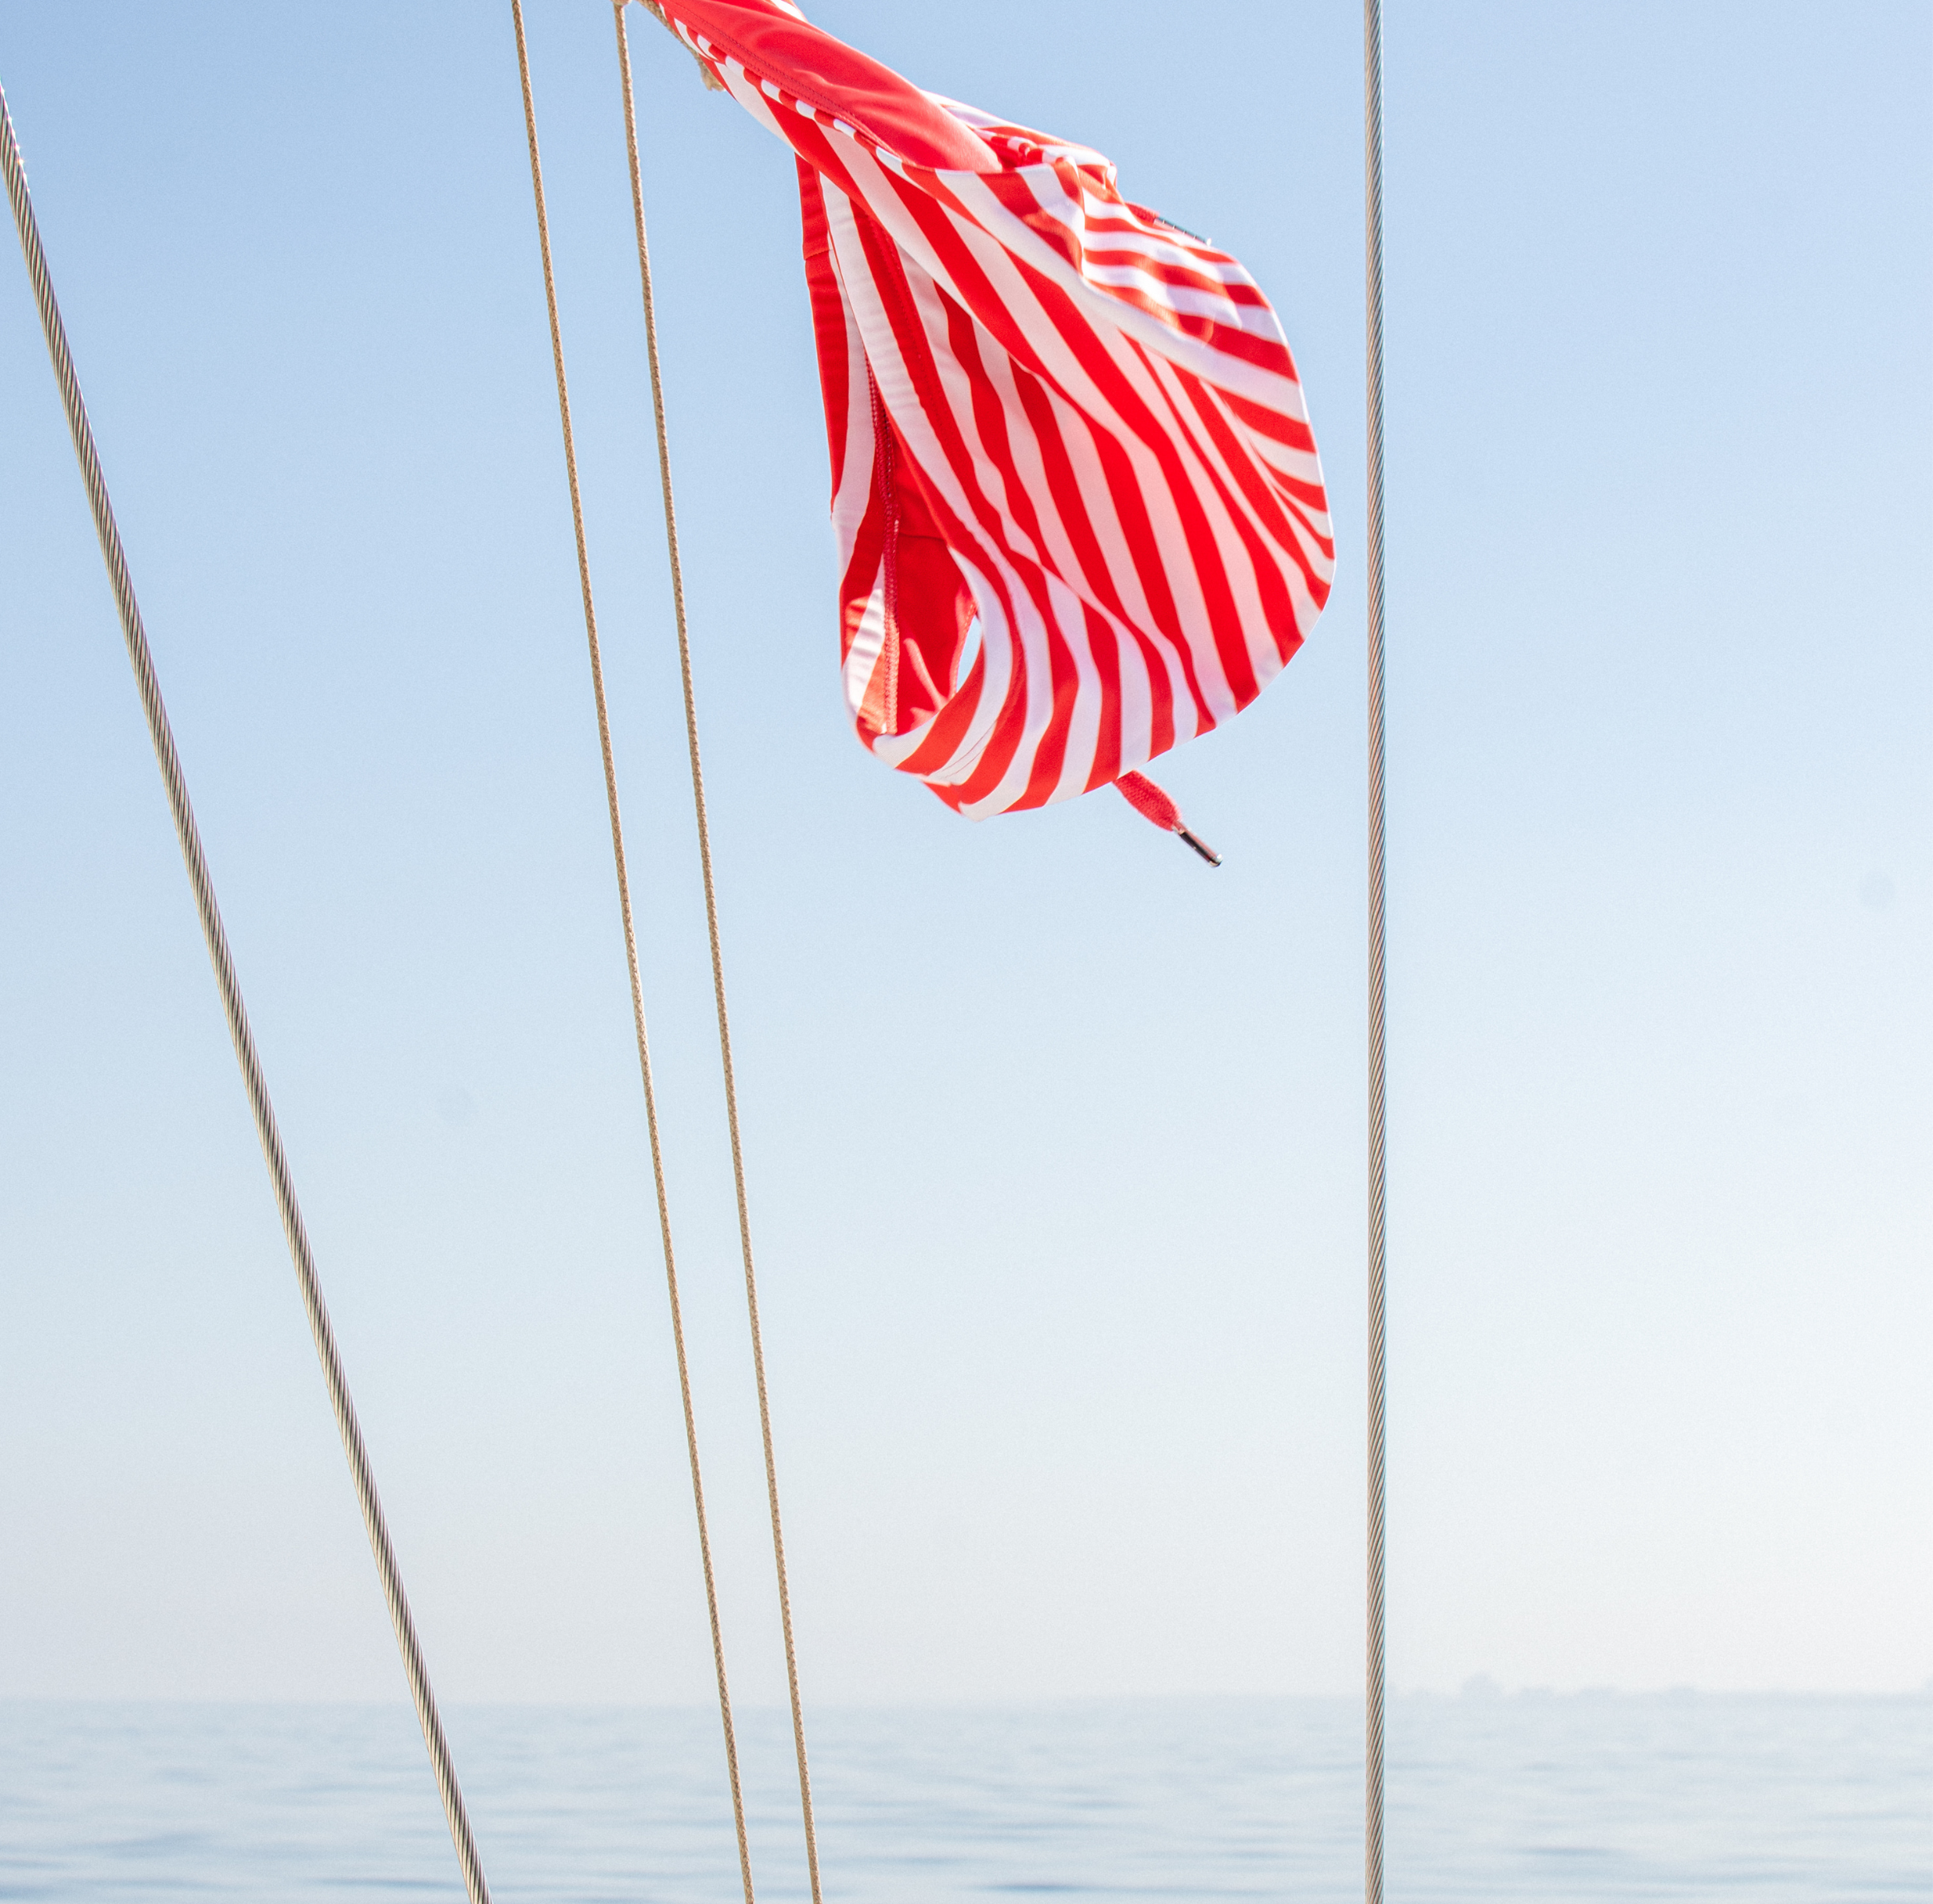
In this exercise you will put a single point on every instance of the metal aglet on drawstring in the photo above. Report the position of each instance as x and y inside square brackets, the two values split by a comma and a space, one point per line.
[1155, 806]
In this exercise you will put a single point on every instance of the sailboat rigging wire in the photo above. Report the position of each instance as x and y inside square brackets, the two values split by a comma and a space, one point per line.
[630, 957]
[718, 960]
[149, 684]
[1372, 138]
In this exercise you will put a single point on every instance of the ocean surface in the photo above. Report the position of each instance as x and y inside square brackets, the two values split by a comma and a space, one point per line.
[1808, 1800]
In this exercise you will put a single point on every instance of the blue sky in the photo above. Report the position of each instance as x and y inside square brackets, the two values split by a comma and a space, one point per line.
[1055, 1136]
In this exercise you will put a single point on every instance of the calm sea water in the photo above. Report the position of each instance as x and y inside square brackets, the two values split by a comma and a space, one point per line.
[1772, 1798]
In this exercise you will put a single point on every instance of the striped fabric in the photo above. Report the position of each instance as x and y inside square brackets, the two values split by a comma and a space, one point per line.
[1080, 513]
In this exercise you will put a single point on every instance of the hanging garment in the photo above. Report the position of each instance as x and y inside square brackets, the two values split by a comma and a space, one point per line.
[1080, 513]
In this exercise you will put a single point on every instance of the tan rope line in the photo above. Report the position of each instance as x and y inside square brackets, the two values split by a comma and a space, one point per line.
[718, 961]
[1372, 131]
[134, 633]
[631, 955]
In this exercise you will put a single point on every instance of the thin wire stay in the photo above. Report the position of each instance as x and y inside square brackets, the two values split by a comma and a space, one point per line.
[631, 955]
[717, 959]
[134, 633]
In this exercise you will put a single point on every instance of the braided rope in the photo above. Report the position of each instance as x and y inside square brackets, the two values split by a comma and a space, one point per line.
[141, 657]
[1372, 107]
[630, 956]
[717, 961]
